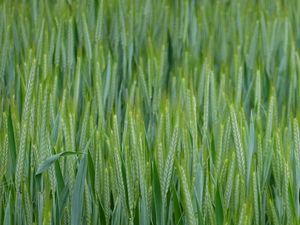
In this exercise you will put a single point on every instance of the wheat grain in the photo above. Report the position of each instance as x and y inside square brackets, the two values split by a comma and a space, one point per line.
[237, 142]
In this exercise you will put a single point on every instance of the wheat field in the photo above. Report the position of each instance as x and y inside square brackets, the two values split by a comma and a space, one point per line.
[167, 112]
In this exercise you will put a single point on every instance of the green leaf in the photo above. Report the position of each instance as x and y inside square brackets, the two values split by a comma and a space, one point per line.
[157, 195]
[12, 146]
[77, 197]
[7, 216]
[219, 208]
[49, 161]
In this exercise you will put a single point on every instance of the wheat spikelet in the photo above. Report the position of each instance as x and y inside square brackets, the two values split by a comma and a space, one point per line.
[72, 135]
[187, 147]
[186, 100]
[211, 214]
[149, 200]
[168, 123]
[227, 135]
[66, 218]
[122, 26]
[296, 142]
[134, 146]
[239, 86]
[23, 135]
[273, 213]
[70, 45]
[70, 171]
[206, 199]
[189, 211]
[242, 215]
[84, 125]
[276, 167]
[116, 136]
[1, 159]
[5, 49]
[17, 129]
[40, 44]
[237, 142]
[144, 88]
[98, 165]
[91, 130]
[229, 183]
[168, 169]
[99, 91]
[195, 137]
[36, 113]
[286, 194]
[106, 196]
[52, 176]
[129, 179]
[269, 121]
[143, 182]
[43, 140]
[45, 66]
[99, 22]
[206, 105]
[4, 157]
[279, 160]
[223, 172]
[4, 149]
[213, 97]
[255, 199]
[221, 89]
[120, 181]
[236, 197]
[86, 37]
[243, 189]
[219, 152]
[51, 108]
[33, 120]
[259, 155]
[160, 163]
[125, 139]
[57, 48]
[28, 207]
[148, 188]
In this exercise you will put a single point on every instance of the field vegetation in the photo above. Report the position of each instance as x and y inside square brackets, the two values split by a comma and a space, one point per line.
[149, 112]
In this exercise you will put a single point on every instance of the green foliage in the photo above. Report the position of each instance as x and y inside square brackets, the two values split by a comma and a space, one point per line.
[149, 112]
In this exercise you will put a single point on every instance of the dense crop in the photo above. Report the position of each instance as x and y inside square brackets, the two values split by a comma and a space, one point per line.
[149, 112]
